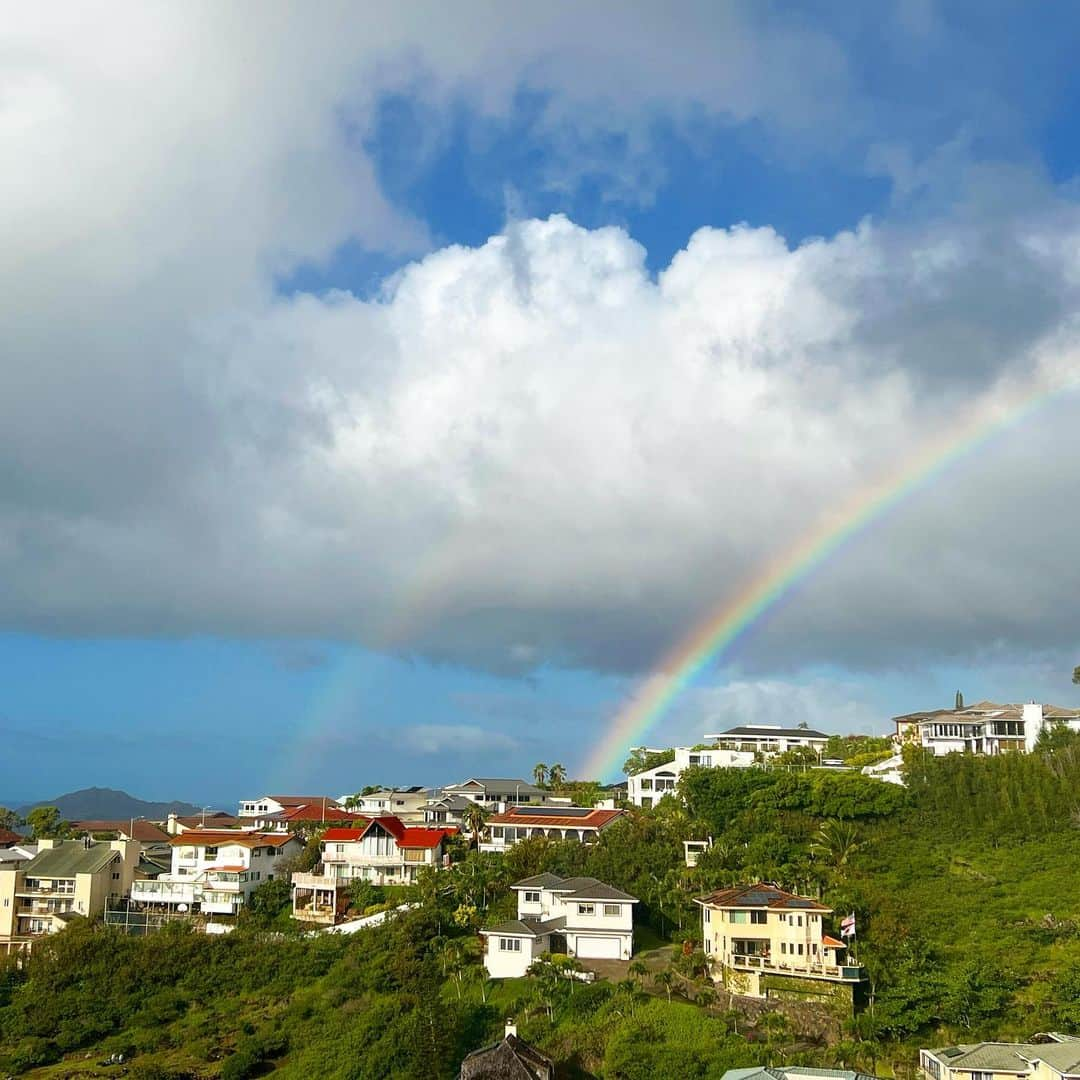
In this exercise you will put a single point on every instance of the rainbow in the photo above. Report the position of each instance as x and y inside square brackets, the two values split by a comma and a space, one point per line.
[711, 638]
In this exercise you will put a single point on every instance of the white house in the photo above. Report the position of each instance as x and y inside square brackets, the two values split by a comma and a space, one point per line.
[769, 739]
[407, 804]
[384, 851]
[518, 823]
[983, 728]
[269, 805]
[648, 787]
[759, 938]
[443, 810]
[580, 917]
[217, 870]
[498, 792]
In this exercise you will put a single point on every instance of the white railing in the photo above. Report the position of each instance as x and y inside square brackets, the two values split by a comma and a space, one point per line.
[163, 892]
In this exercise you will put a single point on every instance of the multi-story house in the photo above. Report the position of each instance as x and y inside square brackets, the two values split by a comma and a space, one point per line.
[762, 941]
[407, 804]
[383, 851]
[268, 805]
[648, 787]
[64, 879]
[1054, 1057]
[495, 793]
[218, 819]
[769, 739]
[443, 810]
[578, 916]
[519, 823]
[215, 871]
[983, 728]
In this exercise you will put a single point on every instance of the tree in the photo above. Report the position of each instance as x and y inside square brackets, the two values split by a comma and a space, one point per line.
[1076, 675]
[46, 823]
[475, 819]
[556, 775]
[539, 773]
[837, 841]
[9, 819]
[641, 759]
[666, 979]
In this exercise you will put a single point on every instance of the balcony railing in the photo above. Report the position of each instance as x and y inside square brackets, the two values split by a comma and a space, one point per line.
[163, 892]
[784, 967]
[317, 881]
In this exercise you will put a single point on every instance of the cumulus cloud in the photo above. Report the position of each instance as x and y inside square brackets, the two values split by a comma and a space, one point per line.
[530, 452]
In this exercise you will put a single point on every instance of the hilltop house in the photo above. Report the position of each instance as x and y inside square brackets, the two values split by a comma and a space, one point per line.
[497, 793]
[983, 728]
[737, 748]
[268, 805]
[383, 851]
[578, 916]
[557, 822]
[216, 870]
[764, 942]
[1055, 1057]
[64, 879]
[443, 810]
[406, 804]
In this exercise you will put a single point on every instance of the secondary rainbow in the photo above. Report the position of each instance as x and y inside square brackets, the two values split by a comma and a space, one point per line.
[714, 635]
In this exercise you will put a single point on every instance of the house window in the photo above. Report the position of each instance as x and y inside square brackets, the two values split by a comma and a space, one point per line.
[210, 853]
[800, 949]
[982, 1076]
[496, 832]
[256, 852]
[783, 948]
[800, 920]
[509, 944]
[613, 909]
[739, 916]
[586, 909]
[532, 898]
[708, 915]
[116, 876]
[759, 917]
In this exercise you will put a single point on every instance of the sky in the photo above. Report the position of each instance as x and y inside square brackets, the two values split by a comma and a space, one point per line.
[385, 392]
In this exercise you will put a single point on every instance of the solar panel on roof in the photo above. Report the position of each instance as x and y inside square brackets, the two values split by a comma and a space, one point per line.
[799, 902]
[555, 811]
[758, 897]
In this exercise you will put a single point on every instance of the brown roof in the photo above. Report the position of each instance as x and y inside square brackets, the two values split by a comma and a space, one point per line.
[761, 895]
[7, 838]
[212, 837]
[512, 1059]
[219, 819]
[145, 831]
[523, 815]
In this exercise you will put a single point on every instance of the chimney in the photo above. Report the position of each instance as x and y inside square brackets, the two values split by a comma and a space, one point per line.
[511, 1028]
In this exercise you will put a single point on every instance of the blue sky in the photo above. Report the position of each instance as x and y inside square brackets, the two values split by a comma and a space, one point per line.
[306, 481]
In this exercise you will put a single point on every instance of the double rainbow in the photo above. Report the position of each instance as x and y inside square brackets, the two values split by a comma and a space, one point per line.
[713, 636]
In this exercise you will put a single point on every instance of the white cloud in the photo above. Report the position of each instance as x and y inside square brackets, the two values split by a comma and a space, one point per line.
[431, 739]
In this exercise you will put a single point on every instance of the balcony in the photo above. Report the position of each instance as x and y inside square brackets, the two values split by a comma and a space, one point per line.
[163, 892]
[817, 970]
[317, 881]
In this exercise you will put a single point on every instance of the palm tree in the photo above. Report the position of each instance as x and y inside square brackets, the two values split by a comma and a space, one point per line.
[837, 840]
[475, 819]
[540, 773]
[639, 969]
[666, 979]
[556, 775]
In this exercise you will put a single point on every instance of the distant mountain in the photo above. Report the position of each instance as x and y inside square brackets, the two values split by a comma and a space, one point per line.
[105, 804]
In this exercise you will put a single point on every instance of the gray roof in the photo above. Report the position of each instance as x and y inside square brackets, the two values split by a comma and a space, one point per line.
[574, 888]
[526, 929]
[1064, 1057]
[70, 857]
[500, 783]
[512, 1059]
[776, 732]
[795, 1072]
[450, 802]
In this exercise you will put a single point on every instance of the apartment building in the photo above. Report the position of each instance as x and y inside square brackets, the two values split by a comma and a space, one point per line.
[518, 823]
[759, 938]
[1054, 1057]
[577, 916]
[983, 728]
[66, 878]
[215, 871]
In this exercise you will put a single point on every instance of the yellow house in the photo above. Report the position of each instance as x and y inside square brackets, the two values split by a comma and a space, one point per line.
[66, 878]
[765, 942]
[1055, 1057]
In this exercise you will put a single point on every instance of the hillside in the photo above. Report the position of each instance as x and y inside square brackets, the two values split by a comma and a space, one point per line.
[107, 804]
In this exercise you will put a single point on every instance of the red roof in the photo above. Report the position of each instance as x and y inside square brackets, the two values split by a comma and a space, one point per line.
[404, 836]
[522, 815]
[7, 837]
[832, 943]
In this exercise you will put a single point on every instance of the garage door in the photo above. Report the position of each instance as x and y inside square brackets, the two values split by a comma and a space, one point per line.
[599, 948]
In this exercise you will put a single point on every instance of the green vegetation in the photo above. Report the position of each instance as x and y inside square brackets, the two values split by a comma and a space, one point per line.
[959, 886]
[640, 760]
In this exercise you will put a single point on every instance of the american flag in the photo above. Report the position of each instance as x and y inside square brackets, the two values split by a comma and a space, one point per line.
[847, 926]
